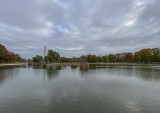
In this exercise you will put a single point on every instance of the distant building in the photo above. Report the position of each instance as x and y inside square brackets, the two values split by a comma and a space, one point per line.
[44, 51]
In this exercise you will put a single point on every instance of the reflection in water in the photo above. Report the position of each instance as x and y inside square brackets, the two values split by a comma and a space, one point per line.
[73, 67]
[148, 74]
[6, 73]
[52, 72]
[44, 74]
[96, 66]
[105, 89]
[83, 73]
[91, 66]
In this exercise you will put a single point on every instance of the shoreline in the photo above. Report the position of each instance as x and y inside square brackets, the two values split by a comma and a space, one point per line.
[13, 64]
[78, 64]
[120, 64]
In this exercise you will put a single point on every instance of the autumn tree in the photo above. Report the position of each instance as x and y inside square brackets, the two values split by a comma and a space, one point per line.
[63, 59]
[1, 52]
[84, 58]
[122, 56]
[4, 56]
[128, 57]
[11, 57]
[69, 60]
[7, 56]
[88, 57]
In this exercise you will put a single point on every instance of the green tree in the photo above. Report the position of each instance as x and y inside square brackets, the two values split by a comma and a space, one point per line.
[53, 56]
[38, 59]
[143, 55]
[104, 58]
[99, 59]
[74, 59]
[111, 57]
[155, 54]
[137, 57]
[118, 56]
[18, 58]
[46, 59]
[93, 58]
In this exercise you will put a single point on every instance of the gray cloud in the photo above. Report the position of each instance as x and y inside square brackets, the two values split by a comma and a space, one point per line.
[78, 27]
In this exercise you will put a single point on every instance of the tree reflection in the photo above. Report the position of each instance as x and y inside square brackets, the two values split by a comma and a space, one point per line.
[92, 66]
[52, 72]
[149, 74]
[83, 73]
[6, 73]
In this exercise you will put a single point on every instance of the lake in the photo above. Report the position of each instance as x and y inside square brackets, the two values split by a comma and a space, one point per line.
[101, 89]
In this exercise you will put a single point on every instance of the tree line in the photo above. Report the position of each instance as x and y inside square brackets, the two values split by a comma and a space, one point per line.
[143, 56]
[8, 56]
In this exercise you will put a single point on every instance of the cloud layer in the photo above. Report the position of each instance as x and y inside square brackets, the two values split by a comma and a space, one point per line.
[78, 27]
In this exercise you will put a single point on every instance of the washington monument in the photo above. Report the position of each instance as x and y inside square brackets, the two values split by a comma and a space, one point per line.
[44, 51]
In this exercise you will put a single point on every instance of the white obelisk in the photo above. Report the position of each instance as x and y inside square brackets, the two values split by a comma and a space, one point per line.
[44, 51]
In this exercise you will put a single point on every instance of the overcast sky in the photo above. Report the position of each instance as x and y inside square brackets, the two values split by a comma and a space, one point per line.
[78, 27]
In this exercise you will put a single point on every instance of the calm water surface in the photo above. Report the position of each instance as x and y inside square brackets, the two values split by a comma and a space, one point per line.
[102, 89]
